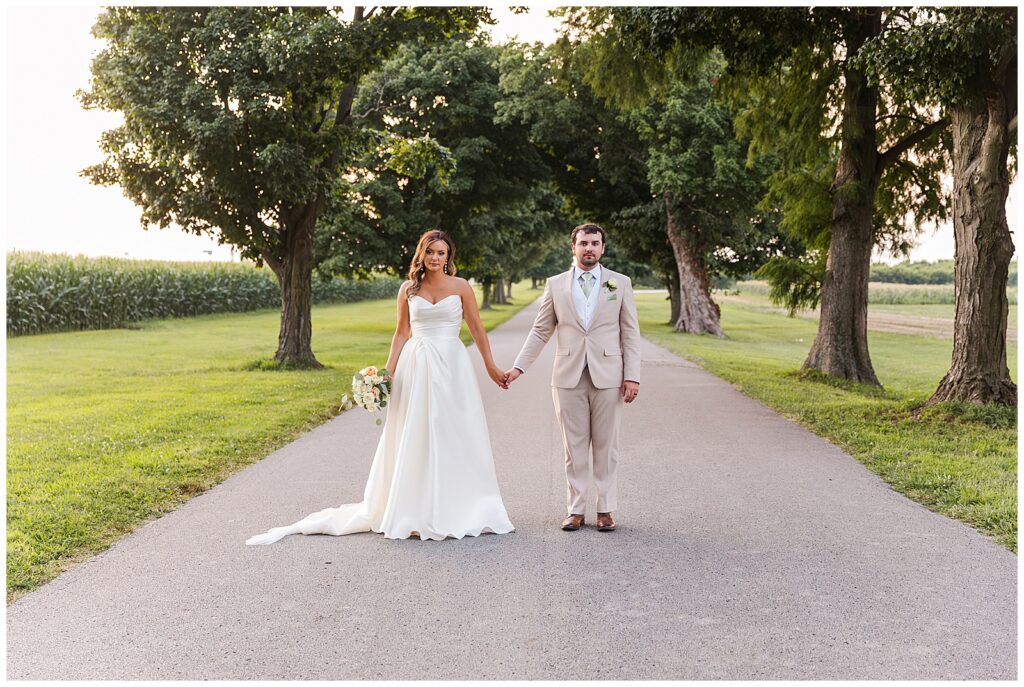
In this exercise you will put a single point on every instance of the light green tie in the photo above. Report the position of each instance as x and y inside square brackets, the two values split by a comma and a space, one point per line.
[588, 284]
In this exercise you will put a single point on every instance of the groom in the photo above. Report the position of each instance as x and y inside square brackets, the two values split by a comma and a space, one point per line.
[592, 314]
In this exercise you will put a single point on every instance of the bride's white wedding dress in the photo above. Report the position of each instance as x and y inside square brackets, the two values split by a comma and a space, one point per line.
[433, 473]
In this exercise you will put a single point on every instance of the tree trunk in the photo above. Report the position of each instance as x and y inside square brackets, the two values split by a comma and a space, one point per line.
[698, 314]
[294, 274]
[486, 284]
[981, 143]
[534, 279]
[840, 348]
[672, 281]
[508, 290]
[499, 292]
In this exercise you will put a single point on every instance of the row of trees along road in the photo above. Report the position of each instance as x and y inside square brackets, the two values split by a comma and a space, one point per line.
[856, 105]
[711, 141]
[667, 176]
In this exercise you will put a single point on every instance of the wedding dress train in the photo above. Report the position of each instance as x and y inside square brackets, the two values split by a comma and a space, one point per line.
[433, 472]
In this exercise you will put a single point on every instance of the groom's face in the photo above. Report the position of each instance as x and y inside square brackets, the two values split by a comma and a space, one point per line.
[588, 249]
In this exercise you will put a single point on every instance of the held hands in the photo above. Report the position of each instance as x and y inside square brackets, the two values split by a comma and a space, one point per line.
[511, 376]
[500, 378]
[630, 389]
[504, 379]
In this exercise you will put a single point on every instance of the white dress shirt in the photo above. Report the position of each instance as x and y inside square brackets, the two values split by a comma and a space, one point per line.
[585, 306]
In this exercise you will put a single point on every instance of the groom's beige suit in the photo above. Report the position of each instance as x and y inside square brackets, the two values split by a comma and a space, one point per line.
[597, 347]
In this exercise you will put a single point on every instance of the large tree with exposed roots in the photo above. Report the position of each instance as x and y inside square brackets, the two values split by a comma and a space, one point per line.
[965, 62]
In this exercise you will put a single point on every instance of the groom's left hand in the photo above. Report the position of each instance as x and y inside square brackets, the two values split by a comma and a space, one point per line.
[630, 391]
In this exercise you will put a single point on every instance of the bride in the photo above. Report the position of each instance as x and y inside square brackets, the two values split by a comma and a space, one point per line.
[433, 473]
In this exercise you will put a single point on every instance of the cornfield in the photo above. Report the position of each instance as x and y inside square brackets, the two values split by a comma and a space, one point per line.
[52, 293]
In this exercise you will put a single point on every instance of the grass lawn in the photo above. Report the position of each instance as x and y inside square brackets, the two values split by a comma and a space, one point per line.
[108, 429]
[958, 460]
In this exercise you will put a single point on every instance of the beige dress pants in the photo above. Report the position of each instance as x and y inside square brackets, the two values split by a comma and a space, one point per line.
[589, 418]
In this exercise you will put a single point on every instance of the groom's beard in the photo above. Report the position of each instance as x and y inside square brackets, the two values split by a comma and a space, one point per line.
[588, 261]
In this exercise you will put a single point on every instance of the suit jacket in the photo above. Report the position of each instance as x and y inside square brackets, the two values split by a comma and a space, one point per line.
[610, 347]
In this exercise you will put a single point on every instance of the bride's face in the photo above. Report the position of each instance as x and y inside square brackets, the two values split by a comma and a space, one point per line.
[435, 256]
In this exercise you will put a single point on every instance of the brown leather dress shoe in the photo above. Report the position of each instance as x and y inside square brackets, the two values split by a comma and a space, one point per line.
[572, 523]
[605, 522]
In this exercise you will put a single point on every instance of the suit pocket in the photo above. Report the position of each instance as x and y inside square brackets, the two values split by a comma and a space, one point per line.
[613, 351]
[562, 351]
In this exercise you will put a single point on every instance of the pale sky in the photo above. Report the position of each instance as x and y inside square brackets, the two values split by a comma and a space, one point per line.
[50, 138]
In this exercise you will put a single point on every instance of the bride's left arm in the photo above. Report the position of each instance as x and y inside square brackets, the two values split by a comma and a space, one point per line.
[479, 334]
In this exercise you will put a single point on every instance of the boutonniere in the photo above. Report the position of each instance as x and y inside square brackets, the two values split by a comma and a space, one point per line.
[611, 285]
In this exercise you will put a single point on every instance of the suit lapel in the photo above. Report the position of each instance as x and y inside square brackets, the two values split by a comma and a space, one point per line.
[572, 301]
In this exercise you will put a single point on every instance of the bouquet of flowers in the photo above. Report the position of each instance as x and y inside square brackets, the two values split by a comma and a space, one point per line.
[370, 390]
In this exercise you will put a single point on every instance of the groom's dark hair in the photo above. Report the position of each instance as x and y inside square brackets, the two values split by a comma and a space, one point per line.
[589, 228]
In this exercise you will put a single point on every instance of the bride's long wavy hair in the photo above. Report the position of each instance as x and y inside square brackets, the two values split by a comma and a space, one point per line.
[417, 270]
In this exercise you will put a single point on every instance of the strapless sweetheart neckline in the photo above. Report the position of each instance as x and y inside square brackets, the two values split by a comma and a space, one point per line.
[443, 299]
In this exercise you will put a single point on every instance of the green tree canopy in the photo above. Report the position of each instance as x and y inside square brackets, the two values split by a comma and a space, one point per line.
[845, 179]
[497, 205]
[238, 123]
[670, 162]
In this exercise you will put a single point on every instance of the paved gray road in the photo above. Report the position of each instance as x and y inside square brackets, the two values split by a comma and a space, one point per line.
[748, 548]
